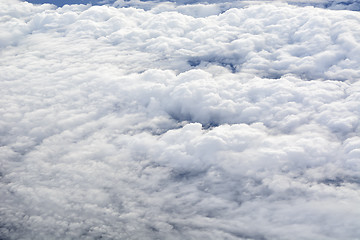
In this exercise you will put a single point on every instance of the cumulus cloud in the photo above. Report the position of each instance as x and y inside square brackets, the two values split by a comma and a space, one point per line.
[146, 120]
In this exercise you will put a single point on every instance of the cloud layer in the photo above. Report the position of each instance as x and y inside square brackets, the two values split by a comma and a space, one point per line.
[163, 121]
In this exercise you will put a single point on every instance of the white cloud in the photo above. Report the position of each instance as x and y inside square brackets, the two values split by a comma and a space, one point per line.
[164, 121]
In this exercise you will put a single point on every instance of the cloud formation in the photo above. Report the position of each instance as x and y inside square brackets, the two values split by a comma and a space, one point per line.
[148, 120]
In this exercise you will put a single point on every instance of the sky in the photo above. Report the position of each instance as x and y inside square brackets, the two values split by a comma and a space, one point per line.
[164, 120]
[61, 2]
[333, 4]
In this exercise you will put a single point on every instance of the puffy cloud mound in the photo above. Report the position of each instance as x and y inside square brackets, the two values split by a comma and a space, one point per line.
[148, 120]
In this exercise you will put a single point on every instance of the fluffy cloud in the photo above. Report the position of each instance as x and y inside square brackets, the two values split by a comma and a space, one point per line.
[148, 120]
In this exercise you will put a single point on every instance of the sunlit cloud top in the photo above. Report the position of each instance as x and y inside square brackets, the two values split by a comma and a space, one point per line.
[166, 120]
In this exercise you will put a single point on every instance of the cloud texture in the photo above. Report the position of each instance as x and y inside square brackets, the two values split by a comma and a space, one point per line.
[146, 120]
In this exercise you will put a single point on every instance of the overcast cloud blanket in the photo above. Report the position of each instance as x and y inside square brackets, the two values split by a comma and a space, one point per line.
[143, 120]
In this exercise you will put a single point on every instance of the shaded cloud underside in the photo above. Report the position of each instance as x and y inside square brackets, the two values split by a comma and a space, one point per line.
[164, 121]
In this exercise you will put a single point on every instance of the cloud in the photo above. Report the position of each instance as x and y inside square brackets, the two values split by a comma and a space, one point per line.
[148, 120]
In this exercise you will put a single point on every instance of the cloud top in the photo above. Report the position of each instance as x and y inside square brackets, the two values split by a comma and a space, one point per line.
[146, 120]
